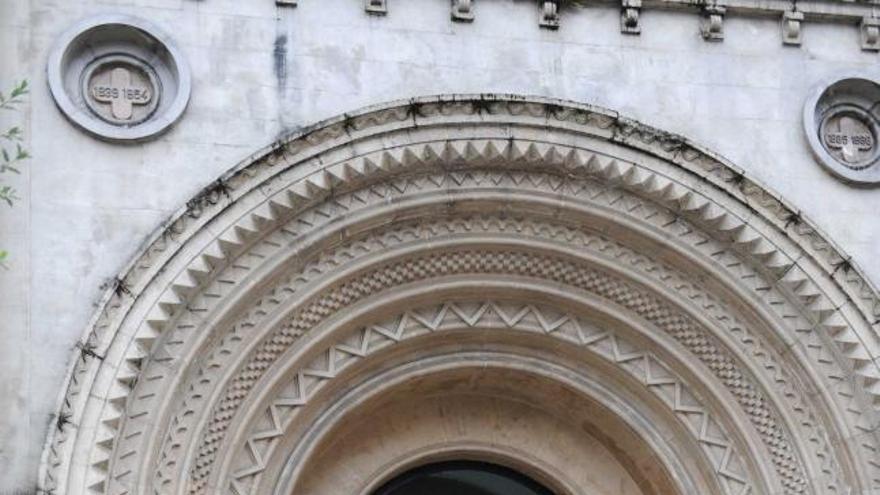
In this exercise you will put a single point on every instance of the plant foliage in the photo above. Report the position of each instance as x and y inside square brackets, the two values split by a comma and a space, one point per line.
[12, 154]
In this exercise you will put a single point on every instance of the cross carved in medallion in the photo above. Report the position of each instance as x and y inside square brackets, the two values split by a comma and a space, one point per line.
[850, 136]
[121, 93]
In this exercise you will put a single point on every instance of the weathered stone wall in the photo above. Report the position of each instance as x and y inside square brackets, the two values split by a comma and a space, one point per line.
[260, 71]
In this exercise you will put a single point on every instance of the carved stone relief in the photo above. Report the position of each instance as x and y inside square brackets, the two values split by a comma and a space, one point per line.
[119, 78]
[843, 127]
[484, 264]
[847, 14]
[712, 22]
[792, 27]
[121, 90]
[641, 364]
[212, 311]
[629, 17]
[549, 16]
[462, 11]
[418, 417]
[379, 7]
[869, 33]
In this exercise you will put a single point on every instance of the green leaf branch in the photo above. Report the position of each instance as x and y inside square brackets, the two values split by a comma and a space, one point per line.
[11, 151]
[15, 97]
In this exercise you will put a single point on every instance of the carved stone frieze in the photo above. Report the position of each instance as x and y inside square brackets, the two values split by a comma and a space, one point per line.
[847, 14]
[560, 234]
[468, 262]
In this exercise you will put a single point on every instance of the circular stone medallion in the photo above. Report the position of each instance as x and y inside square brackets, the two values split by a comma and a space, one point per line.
[849, 134]
[120, 89]
[119, 78]
[843, 128]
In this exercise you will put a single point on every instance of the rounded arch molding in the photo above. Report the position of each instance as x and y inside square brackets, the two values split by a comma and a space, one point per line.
[715, 303]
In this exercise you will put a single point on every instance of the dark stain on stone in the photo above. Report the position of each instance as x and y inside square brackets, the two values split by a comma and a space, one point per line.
[279, 56]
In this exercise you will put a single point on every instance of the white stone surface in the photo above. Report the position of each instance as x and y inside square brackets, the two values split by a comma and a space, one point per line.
[260, 71]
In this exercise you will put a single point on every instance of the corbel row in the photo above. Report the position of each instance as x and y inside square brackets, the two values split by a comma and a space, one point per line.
[792, 30]
[463, 11]
[711, 16]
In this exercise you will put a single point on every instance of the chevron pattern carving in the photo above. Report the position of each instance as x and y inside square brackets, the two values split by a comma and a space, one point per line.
[700, 204]
[677, 326]
[638, 363]
[325, 215]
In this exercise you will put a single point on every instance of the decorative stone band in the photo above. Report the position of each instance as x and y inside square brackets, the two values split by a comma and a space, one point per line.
[679, 327]
[861, 14]
[537, 228]
[819, 293]
[642, 365]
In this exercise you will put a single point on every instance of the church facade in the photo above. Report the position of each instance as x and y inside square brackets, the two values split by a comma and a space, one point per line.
[442, 246]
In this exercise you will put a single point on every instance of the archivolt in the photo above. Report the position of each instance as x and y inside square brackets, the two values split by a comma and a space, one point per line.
[414, 193]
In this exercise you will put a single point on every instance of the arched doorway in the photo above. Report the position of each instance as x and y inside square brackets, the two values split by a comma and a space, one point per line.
[464, 477]
[625, 305]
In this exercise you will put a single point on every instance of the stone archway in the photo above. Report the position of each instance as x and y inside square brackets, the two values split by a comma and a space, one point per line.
[710, 325]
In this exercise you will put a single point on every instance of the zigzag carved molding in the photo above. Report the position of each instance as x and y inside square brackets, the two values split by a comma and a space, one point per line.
[804, 281]
[659, 313]
[400, 187]
[638, 363]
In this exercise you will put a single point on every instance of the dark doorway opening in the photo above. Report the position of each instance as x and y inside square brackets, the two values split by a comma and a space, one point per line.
[462, 478]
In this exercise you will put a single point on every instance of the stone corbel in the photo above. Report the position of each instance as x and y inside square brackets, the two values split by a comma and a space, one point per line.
[462, 10]
[791, 27]
[378, 7]
[870, 33]
[629, 17]
[549, 14]
[712, 26]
